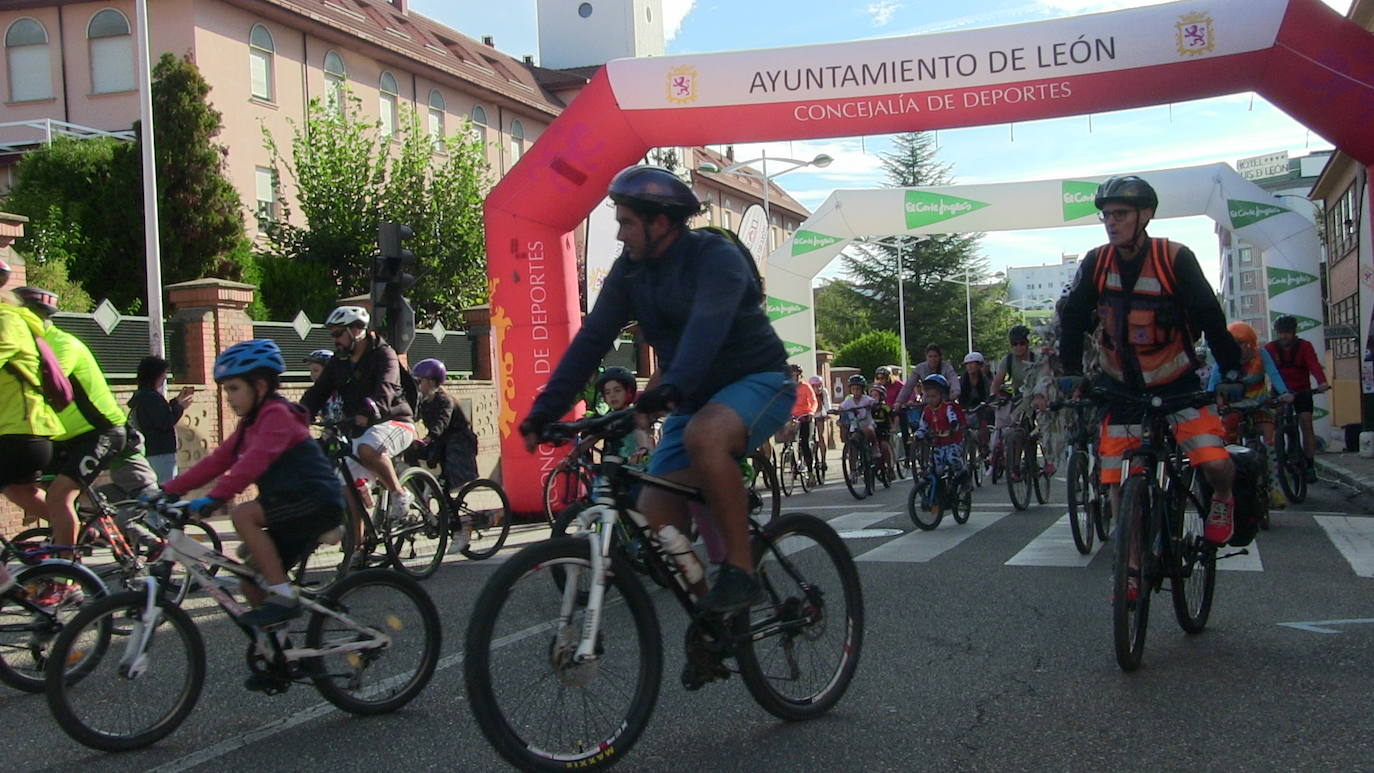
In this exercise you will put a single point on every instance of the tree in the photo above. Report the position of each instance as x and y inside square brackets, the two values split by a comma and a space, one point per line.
[348, 181]
[868, 351]
[839, 315]
[935, 308]
[91, 190]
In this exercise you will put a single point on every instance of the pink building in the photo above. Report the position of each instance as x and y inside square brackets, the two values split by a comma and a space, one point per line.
[74, 63]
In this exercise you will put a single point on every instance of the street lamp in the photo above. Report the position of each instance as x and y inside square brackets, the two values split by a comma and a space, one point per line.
[742, 167]
[899, 242]
[968, 298]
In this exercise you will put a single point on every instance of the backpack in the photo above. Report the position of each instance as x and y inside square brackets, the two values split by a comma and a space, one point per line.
[1252, 496]
[410, 391]
[734, 239]
[57, 388]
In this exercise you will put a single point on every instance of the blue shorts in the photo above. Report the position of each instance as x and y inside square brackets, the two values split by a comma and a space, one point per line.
[763, 401]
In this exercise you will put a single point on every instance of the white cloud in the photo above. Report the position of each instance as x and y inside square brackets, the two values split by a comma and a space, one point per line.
[882, 11]
[674, 12]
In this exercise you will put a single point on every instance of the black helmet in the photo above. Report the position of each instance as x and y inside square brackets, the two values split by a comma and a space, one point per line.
[1286, 324]
[1018, 333]
[653, 189]
[617, 373]
[1129, 190]
[858, 380]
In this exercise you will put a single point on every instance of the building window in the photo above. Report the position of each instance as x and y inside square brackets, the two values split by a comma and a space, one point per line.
[479, 124]
[1247, 302]
[387, 103]
[260, 52]
[517, 140]
[26, 54]
[112, 53]
[334, 77]
[1247, 255]
[436, 116]
[1247, 280]
[265, 183]
[1342, 224]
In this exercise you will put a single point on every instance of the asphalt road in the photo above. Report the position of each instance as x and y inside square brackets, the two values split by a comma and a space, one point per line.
[980, 654]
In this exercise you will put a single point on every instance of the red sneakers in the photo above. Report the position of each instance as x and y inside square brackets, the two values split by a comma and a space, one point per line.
[1220, 521]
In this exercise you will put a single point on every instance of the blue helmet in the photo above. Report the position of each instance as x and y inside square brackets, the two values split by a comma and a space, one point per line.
[247, 357]
[937, 380]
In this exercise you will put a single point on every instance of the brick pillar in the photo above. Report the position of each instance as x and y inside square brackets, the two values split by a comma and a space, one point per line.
[211, 313]
[477, 319]
[11, 228]
[644, 355]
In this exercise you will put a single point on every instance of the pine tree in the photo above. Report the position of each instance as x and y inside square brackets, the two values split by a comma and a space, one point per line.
[935, 309]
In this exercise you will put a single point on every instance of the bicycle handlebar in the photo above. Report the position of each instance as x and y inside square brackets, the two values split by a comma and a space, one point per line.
[613, 424]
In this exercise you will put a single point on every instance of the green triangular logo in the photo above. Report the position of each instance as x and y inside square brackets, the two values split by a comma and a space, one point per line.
[1245, 213]
[807, 241]
[794, 349]
[781, 307]
[1319, 412]
[1281, 280]
[1304, 323]
[924, 208]
[1078, 199]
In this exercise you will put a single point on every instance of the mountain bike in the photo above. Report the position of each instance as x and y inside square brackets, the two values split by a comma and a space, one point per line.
[792, 474]
[481, 510]
[27, 626]
[565, 673]
[974, 452]
[818, 467]
[936, 493]
[860, 471]
[918, 448]
[1291, 462]
[370, 645]
[1159, 530]
[1089, 505]
[571, 479]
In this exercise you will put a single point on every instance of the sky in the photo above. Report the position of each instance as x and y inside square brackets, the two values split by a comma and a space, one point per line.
[1182, 134]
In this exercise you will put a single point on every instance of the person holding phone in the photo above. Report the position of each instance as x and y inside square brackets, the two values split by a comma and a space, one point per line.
[156, 417]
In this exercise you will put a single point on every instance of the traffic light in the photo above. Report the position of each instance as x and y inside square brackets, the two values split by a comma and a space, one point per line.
[392, 275]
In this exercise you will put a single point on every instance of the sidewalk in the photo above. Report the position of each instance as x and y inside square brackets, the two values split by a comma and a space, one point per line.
[1348, 468]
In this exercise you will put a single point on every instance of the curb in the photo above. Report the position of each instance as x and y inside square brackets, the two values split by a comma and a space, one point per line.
[1330, 469]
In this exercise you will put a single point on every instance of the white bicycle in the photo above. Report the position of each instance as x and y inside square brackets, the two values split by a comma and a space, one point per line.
[369, 644]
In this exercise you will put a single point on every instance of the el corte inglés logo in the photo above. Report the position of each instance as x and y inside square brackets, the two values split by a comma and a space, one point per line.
[1281, 280]
[807, 241]
[781, 307]
[1245, 213]
[1078, 199]
[924, 208]
[793, 349]
[1304, 323]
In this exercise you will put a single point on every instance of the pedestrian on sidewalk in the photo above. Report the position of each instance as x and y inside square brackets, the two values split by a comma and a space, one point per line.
[156, 417]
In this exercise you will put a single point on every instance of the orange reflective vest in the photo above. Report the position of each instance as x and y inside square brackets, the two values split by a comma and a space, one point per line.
[1143, 331]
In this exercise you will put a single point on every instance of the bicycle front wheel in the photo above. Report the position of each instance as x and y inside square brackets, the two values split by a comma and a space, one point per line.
[564, 486]
[125, 698]
[1131, 608]
[484, 503]
[1101, 505]
[1292, 465]
[806, 636]
[789, 471]
[765, 482]
[374, 681]
[1020, 470]
[416, 542]
[1080, 493]
[1042, 479]
[921, 493]
[28, 629]
[973, 453]
[1195, 563]
[540, 708]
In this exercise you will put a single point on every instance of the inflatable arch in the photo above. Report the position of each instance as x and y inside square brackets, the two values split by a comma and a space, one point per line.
[1300, 54]
[1288, 240]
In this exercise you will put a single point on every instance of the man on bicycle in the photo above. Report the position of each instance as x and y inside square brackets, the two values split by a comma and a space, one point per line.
[803, 410]
[1298, 364]
[1150, 298]
[1012, 373]
[699, 302]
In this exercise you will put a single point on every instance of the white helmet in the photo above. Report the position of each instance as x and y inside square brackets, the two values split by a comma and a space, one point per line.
[348, 316]
[973, 357]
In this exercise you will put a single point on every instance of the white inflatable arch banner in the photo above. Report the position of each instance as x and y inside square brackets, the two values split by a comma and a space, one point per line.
[1287, 239]
[1300, 54]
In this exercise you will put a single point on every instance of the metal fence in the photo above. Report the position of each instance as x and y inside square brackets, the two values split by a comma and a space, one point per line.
[299, 338]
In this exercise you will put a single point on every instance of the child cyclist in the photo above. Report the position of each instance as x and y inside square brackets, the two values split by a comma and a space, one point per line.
[856, 412]
[617, 388]
[943, 423]
[1259, 374]
[882, 424]
[299, 497]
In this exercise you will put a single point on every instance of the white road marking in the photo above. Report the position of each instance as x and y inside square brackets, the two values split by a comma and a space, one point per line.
[1323, 626]
[1246, 563]
[1053, 547]
[1354, 537]
[922, 546]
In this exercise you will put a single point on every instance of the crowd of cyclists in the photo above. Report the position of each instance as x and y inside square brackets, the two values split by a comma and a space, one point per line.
[1127, 326]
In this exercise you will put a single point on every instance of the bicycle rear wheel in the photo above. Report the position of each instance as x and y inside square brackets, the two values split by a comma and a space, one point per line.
[1080, 493]
[28, 630]
[1130, 616]
[416, 542]
[484, 502]
[374, 681]
[541, 710]
[1020, 470]
[1101, 505]
[765, 483]
[109, 705]
[806, 636]
[1195, 563]
[973, 453]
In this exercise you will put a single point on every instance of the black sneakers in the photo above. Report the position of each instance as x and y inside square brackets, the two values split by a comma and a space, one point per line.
[732, 589]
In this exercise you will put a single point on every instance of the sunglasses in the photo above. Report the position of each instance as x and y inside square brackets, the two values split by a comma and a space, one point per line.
[1114, 214]
[337, 334]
